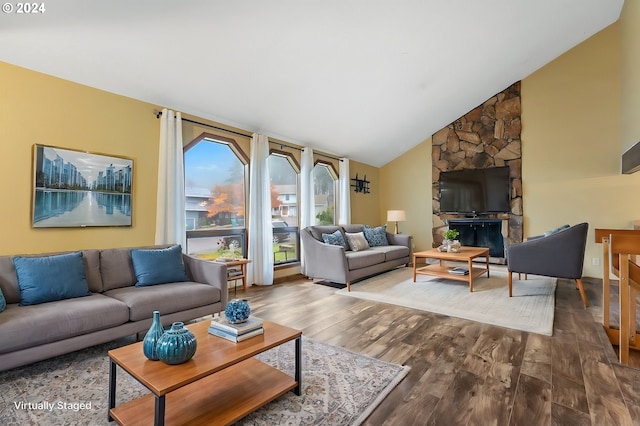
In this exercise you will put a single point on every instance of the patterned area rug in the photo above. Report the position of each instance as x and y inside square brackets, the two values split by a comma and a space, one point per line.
[530, 309]
[339, 387]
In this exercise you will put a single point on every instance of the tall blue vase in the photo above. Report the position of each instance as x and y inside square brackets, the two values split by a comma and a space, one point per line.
[151, 338]
[177, 345]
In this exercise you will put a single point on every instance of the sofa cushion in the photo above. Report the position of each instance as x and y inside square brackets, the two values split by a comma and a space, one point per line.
[166, 298]
[352, 228]
[376, 236]
[335, 239]
[393, 252]
[50, 278]
[28, 326]
[158, 266]
[3, 302]
[116, 268]
[357, 241]
[362, 259]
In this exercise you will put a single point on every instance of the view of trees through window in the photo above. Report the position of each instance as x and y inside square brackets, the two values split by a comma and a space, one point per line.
[214, 201]
[284, 208]
[324, 185]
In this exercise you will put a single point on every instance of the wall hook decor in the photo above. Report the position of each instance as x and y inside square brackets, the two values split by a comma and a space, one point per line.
[360, 185]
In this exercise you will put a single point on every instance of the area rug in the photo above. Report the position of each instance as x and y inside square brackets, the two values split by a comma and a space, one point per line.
[530, 309]
[339, 387]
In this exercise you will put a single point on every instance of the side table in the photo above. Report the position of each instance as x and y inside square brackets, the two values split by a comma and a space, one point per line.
[242, 263]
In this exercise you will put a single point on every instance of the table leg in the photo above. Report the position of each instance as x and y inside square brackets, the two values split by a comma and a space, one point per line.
[243, 268]
[414, 268]
[298, 369]
[112, 389]
[470, 275]
[487, 259]
[159, 414]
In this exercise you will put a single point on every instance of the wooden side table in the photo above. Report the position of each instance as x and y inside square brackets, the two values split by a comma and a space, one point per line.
[242, 263]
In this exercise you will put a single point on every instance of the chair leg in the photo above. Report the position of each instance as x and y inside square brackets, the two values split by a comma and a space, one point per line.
[511, 284]
[583, 295]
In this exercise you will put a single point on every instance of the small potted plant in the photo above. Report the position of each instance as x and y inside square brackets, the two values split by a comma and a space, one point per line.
[450, 242]
[451, 235]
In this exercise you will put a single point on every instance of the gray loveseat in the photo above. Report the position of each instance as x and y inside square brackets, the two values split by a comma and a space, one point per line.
[114, 308]
[336, 264]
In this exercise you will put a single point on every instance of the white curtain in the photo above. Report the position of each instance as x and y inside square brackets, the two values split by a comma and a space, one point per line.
[260, 270]
[344, 203]
[307, 201]
[170, 217]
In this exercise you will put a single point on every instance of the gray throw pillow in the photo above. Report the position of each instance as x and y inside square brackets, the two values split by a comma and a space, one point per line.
[357, 241]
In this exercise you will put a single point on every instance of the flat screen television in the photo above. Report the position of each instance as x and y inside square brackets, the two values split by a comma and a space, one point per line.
[475, 191]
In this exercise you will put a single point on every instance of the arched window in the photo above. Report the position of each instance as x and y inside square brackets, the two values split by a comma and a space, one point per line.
[325, 180]
[215, 197]
[283, 170]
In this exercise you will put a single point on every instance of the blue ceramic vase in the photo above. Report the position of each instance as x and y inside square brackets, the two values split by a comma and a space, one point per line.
[237, 311]
[177, 345]
[151, 338]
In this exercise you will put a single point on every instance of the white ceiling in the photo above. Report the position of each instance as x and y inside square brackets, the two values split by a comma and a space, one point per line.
[365, 79]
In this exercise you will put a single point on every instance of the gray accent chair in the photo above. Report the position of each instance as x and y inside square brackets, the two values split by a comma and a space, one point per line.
[559, 254]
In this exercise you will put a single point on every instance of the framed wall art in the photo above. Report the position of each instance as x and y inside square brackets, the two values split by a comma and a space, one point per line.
[80, 189]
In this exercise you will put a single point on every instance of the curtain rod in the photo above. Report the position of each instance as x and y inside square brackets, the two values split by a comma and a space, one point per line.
[159, 113]
[300, 149]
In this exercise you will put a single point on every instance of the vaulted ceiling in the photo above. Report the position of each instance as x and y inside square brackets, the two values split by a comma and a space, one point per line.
[365, 79]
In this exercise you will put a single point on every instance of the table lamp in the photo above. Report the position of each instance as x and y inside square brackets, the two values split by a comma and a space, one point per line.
[396, 216]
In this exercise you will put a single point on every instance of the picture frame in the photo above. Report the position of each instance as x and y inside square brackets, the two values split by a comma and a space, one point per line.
[73, 188]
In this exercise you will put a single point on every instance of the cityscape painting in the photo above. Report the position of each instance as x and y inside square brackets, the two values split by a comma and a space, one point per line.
[80, 189]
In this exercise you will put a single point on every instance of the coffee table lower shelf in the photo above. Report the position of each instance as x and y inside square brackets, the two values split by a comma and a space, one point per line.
[219, 399]
[443, 272]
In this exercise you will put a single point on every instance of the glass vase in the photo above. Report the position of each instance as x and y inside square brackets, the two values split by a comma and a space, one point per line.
[151, 338]
[177, 345]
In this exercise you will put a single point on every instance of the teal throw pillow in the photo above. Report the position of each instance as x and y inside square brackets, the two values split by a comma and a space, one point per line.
[376, 236]
[49, 278]
[556, 230]
[335, 239]
[3, 302]
[158, 266]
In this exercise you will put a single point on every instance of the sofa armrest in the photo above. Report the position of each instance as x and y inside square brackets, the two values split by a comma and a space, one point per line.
[208, 272]
[399, 239]
[323, 260]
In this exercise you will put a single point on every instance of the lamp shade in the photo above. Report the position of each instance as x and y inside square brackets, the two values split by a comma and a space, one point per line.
[396, 216]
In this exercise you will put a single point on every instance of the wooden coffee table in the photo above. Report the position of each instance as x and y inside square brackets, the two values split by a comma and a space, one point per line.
[466, 254]
[221, 384]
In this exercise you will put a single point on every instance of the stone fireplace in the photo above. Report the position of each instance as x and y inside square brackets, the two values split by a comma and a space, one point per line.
[487, 136]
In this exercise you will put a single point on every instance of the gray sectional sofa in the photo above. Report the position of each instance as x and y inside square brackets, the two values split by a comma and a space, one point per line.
[114, 307]
[340, 264]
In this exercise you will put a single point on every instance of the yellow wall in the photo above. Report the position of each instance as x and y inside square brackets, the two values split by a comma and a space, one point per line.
[405, 184]
[39, 109]
[365, 207]
[571, 137]
[630, 41]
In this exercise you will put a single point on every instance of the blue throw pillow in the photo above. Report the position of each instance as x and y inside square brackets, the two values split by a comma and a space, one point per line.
[376, 236]
[50, 278]
[158, 266]
[335, 239]
[3, 302]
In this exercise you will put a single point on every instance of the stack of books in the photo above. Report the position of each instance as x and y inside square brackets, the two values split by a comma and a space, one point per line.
[221, 327]
[459, 271]
[233, 272]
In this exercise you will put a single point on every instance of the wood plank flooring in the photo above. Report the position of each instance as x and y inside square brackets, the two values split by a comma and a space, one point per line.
[468, 373]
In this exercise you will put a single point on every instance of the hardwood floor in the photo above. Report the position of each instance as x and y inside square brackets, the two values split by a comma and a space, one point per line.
[468, 373]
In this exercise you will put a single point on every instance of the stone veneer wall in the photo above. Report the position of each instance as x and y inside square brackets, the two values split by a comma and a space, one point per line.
[487, 136]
